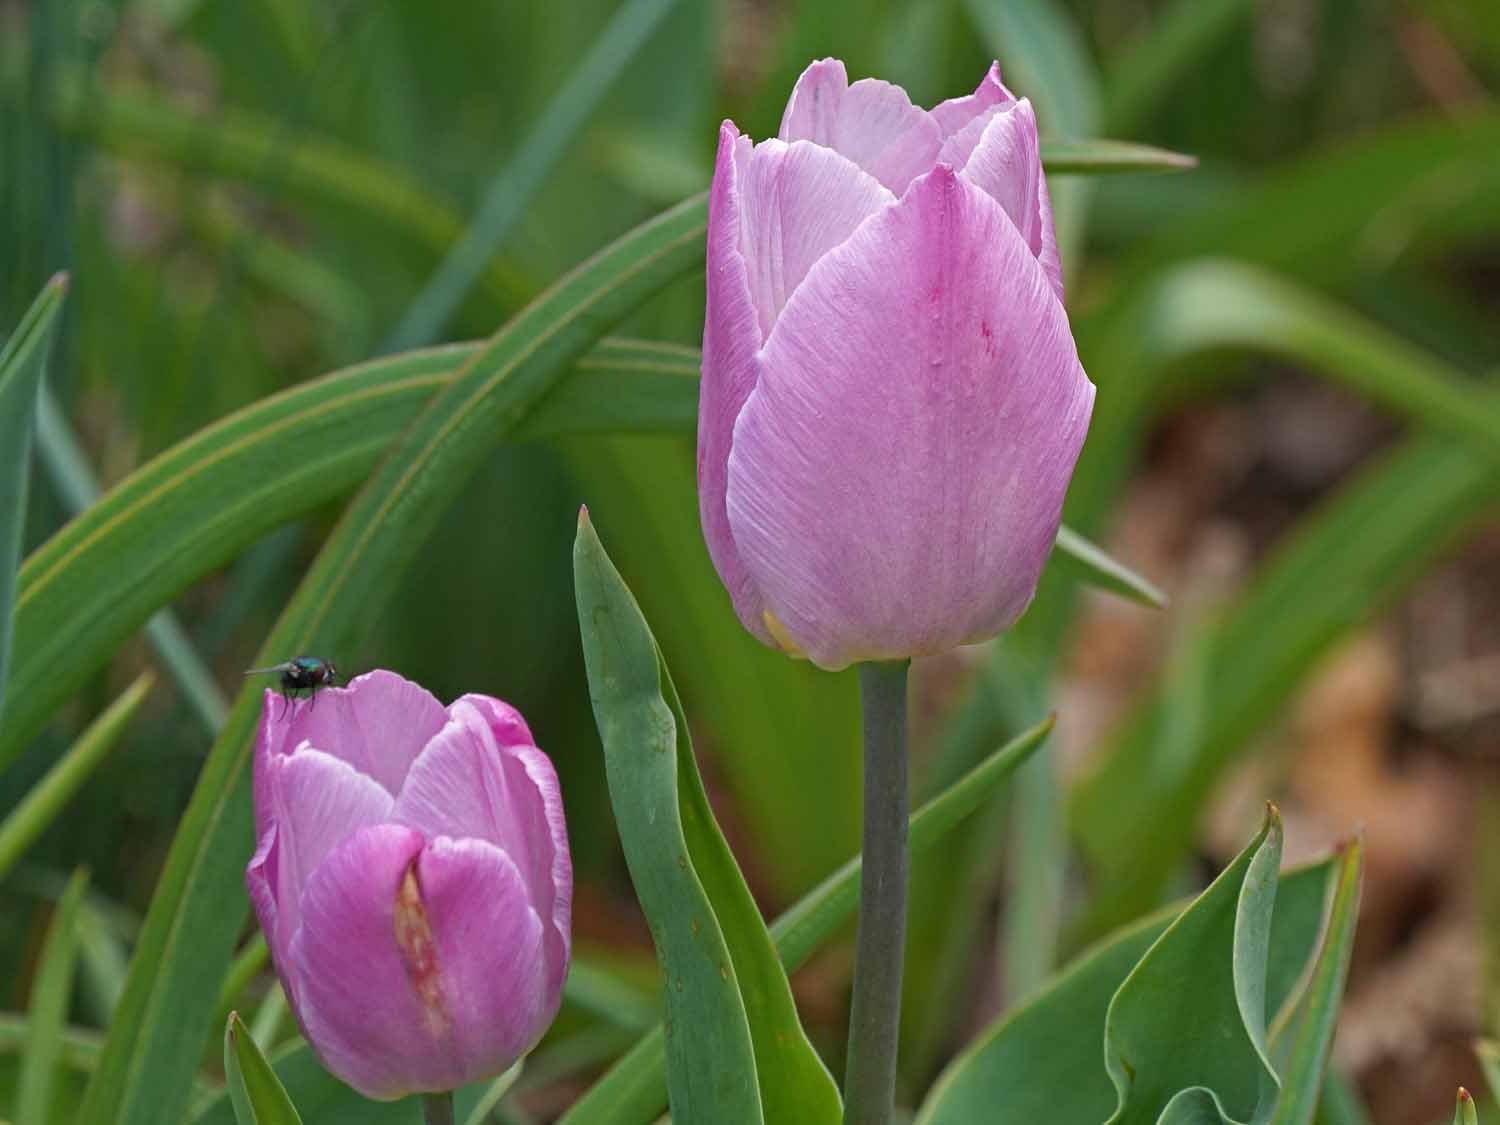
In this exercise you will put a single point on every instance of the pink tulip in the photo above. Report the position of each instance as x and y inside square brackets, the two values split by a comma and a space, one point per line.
[892, 403]
[413, 882]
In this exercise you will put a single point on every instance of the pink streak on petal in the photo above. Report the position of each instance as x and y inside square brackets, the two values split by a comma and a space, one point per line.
[896, 478]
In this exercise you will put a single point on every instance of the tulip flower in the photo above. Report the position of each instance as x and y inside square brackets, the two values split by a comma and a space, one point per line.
[413, 882]
[892, 403]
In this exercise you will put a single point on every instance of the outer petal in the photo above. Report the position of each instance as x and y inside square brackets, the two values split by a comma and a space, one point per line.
[897, 476]
[797, 202]
[731, 340]
[474, 781]
[316, 801]
[260, 882]
[390, 1024]
[953, 114]
[378, 724]
[1050, 256]
[873, 123]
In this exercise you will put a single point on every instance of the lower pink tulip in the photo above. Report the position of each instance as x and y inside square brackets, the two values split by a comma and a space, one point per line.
[413, 881]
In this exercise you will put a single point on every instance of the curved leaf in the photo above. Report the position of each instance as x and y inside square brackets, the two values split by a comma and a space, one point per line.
[1043, 1061]
[712, 1059]
[47, 1014]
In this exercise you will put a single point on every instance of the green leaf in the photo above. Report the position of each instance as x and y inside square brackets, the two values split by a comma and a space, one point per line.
[47, 1017]
[256, 1093]
[632, 1091]
[1146, 72]
[1099, 157]
[1488, 1052]
[1043, 1061]
[1094, 565]
[185, 513]
[48, 797]
[1302, 1042]
[185, 944]
[1195, 1106]
[22, 363]
[1192, 1012]
[1464, 1112]
[496, 1090]
[711, 1059]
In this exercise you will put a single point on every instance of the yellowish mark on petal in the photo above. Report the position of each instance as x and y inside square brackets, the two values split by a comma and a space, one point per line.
[781, 636]
[418, 951]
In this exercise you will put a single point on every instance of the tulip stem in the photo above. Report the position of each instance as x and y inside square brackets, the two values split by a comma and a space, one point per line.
[874, 1018]
[437, 1109]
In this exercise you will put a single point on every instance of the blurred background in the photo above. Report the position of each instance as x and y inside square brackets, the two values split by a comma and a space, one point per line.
[250, 194]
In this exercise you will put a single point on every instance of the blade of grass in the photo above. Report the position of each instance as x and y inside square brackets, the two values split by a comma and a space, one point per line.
[198, 906]
[20, 827]
[257, 1094]
[1100, 157]
[74, 481]
[1097, 567]
[23, 360]
[51, 996]
[508, 194]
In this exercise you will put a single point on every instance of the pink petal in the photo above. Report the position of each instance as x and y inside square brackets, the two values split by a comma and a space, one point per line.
[1050, 257]
[378, 724]
[261, 878]
[953, 114]
[897, 475]
[390, 1023]
[469, 783]
[797, 202]
[1007, 164]
[731, 339]
[873, 123]
[316, 801]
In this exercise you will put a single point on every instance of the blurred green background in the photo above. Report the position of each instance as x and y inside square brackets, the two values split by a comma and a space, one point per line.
[249, 194]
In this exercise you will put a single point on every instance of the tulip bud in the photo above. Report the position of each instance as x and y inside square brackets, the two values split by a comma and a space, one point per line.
[892, 402]
[413, 882]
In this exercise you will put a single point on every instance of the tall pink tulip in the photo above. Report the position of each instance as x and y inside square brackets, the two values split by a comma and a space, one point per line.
[413, 881]
[892, 402]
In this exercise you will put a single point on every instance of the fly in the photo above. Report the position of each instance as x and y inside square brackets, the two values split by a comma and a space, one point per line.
[301, 673]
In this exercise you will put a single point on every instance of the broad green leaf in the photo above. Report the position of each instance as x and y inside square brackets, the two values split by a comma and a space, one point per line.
[47, 1012]
[22, 363]
[1193, 1010]
[1195, 1106]
[1302, 1041]
[1099, 157]
[198, 907]
[711, 1059]
[255, 1092]
[47, 798]
[507, 196]
[1044, 1060]
[183, 514]
[1464, 1112]
[633, 1091]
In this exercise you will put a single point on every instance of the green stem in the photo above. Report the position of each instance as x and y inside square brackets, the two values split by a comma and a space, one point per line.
[437, 1109]
[874, 1019]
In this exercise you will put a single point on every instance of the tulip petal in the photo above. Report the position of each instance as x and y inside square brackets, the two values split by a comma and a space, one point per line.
[873, 123]
[315, 801]
[1050, 256]
[896, 477]
[797, 202]
[470, 783]
[389, 1025]
[377, 724]
[261, 875]
[1006, 162]
[955, 113]
[731, 339]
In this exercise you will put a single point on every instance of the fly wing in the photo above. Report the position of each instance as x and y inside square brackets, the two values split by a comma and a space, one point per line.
[283, 667]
